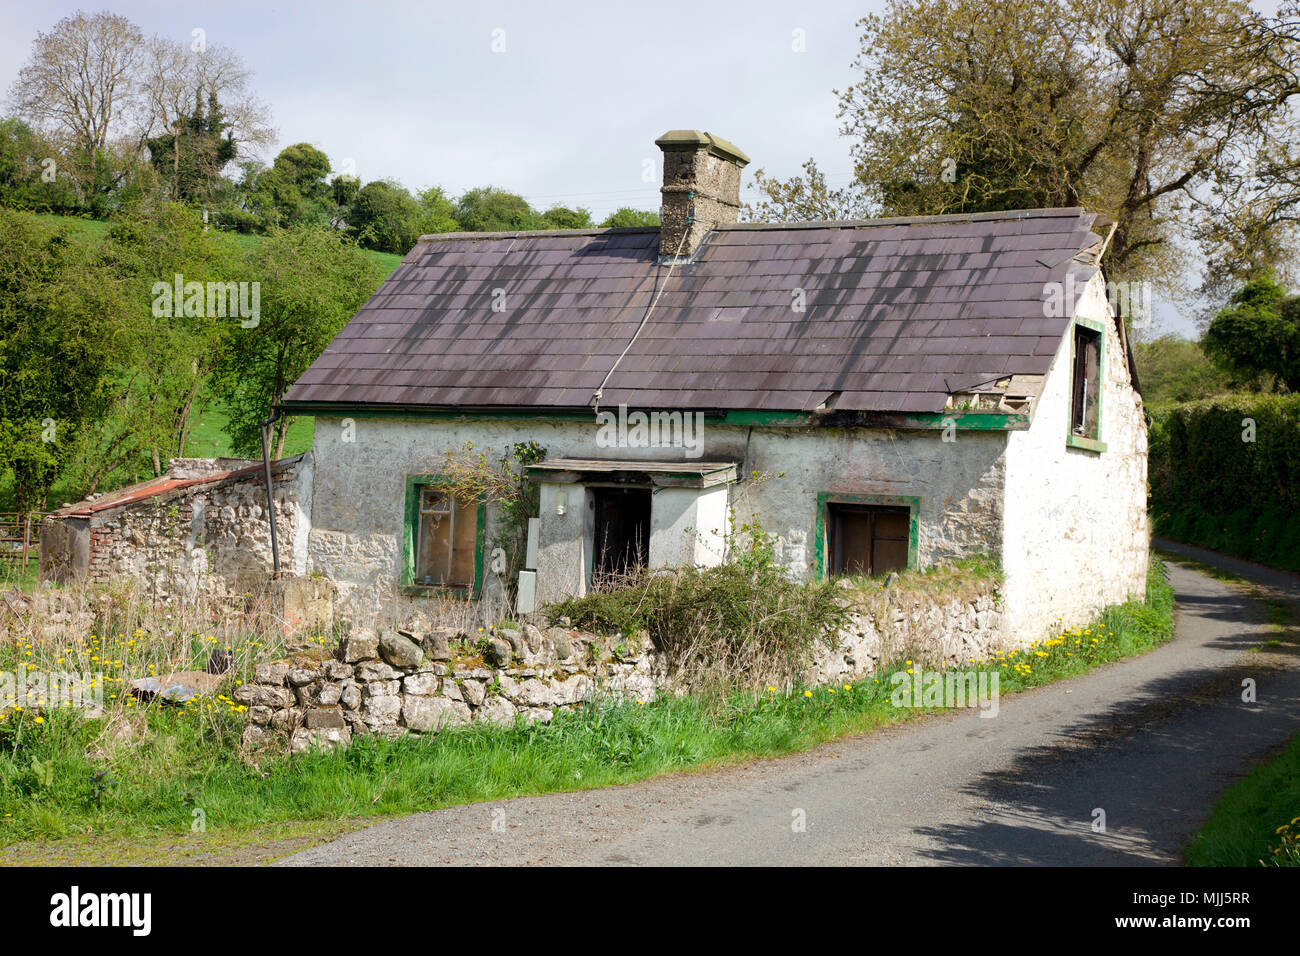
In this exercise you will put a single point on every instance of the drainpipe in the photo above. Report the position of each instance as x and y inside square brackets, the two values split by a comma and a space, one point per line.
[276, 414]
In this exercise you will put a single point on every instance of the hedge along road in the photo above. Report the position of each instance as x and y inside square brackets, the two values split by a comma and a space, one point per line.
[1152, 742]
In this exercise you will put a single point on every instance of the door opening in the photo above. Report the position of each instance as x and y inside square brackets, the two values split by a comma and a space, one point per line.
[622, 533]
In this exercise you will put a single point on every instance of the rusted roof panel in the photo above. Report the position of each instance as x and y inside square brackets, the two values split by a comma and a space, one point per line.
[164, 484]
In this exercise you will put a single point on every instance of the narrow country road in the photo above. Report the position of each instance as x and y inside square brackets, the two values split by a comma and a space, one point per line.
[1151, 741]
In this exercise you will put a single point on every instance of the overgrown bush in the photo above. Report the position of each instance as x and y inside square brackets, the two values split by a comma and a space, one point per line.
[743, 623]
[1212, 485]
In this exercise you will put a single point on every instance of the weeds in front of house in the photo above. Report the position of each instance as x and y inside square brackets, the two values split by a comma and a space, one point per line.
[99, 639]
[71, 777]
[739, 624]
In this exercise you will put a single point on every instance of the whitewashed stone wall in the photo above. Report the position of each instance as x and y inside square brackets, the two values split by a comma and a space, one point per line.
[360, 476]
[1076, 533]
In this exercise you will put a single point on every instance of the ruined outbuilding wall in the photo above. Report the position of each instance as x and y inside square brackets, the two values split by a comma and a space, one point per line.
[212, 538]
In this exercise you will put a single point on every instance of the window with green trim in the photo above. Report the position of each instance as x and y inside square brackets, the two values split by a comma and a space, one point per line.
[1087, 382]
[1087, 359]
[864, 539]
[865, 534]
[443, 544]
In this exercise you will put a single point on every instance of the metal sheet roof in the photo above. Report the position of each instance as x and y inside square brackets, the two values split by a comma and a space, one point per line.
[898, 314]
[164, 484]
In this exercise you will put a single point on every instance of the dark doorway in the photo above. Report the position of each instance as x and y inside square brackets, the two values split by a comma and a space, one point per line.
[622, 532]
[866, 539]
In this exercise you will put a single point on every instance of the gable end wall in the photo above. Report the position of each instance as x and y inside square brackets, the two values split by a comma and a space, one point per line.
[1076, 534]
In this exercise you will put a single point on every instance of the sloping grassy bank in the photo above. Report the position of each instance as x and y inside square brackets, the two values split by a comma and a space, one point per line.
[170, 769]
[1257, 822]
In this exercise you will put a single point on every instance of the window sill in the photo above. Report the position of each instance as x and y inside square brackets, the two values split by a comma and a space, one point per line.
[1087, 444]
[463, 592]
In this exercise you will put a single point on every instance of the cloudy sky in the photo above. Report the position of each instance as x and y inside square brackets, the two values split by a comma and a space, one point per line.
[558, 101]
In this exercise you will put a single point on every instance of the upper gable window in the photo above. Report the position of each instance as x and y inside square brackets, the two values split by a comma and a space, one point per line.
[1085, 387]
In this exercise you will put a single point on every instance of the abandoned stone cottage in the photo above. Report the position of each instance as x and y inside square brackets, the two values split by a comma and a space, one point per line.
[912, 390]
[906, 391]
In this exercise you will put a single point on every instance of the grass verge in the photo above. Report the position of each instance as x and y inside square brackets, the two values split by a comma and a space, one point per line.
[1257, 822]
[71, 779]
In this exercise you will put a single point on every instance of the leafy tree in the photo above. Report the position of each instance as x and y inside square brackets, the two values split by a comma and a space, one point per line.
[561, 217]
[806, 198]
[1133, 109]
[437, 212]
[489, 209]
[30, 173]
[191, 157]
[344, 189]
[627, 218]
[293, 190]
[1175, 369]
[1257, 338]
[385, 216]
[164, 355]
[55, 349]
[312, 282]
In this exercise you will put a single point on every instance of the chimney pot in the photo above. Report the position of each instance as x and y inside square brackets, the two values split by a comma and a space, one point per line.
[701, 188]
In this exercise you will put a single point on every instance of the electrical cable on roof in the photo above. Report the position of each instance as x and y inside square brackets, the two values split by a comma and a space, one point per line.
[596, 395]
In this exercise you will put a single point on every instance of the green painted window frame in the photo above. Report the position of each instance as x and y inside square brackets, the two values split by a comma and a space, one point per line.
[912, 503]
[410, 524]
[1094, 444]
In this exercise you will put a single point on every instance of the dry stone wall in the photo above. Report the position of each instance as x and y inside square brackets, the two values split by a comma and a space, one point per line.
[396, 682]
[392, 682]
[942, 628]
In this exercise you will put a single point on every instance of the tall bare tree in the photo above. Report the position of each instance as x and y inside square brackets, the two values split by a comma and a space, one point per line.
[174, 74]
[81, 79]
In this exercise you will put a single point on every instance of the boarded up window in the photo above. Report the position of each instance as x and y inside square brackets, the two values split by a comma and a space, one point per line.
[446, 539]
[1086, 383]
[868, 539]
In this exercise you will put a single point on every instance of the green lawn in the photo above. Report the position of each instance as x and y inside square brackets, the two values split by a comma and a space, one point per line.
[208, 438]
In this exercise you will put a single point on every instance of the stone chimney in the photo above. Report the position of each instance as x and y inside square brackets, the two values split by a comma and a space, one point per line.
[701, 188]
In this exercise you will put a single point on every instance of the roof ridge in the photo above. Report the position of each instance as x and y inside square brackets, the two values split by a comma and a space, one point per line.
[522, 233]
[1046, 212]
